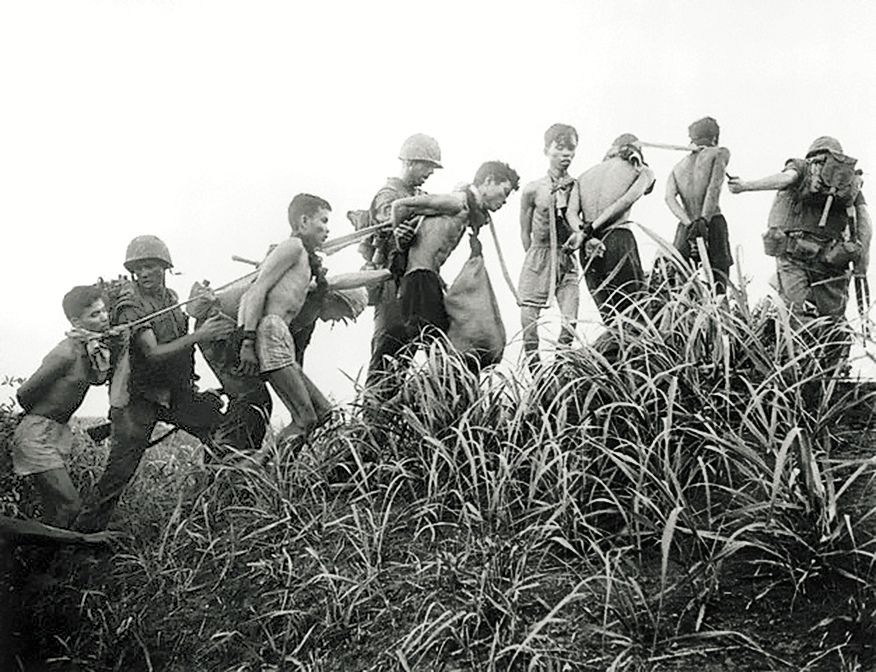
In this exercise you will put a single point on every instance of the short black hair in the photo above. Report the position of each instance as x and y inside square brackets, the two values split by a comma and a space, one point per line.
[79, 298]
[305, 204]
[499, 171]
[563, 134]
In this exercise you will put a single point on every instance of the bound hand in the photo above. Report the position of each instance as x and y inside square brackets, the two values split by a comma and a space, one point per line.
[249, 361]
[574, 241]
[477, 249]
[698, 228]
[594, 248]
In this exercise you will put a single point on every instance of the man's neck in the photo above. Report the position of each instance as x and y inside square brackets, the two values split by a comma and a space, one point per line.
[557, 173]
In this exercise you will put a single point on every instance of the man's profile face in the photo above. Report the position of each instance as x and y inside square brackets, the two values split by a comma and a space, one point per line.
[314, 229]
[560, 154]
[419, 172]
[816, 163]
[495, 193]
[93, 318]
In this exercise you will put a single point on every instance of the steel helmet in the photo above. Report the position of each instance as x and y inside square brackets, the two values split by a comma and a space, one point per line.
[147, 247]
[421, 147]
[824, 144]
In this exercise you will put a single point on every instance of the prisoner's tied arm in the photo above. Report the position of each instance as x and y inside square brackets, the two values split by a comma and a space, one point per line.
[53, 367]
[527, 209]
[672, 202]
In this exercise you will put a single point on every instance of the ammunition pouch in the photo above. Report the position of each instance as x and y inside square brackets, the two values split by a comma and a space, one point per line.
[841, 253]
[804, 248]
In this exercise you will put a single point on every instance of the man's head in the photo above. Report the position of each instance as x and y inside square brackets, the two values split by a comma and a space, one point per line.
[495, 181]
[147, 258]
[627, 147]
[560, 143]
[704, 132]
[84, 307]
[823, 145]
[308, 217]
[420, 156]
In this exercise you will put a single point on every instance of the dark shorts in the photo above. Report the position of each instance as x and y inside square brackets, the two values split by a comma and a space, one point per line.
[422, 302]
[718, 244]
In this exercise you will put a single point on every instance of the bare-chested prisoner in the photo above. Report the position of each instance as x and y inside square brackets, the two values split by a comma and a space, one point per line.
[600, 207]
[550, 270]
[429, 243]
[43, 439]
[273, 301]
[692, 192]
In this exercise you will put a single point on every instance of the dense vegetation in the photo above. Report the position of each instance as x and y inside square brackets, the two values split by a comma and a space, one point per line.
[694, 489]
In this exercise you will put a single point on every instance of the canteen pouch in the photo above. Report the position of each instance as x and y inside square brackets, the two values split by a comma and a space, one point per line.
[774, 242]
[842, 252]
[802, 248]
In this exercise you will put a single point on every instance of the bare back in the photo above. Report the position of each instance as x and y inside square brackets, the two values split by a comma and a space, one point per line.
[603, 185]
[698, 178]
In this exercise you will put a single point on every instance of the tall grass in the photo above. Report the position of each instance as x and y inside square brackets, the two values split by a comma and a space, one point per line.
[592, 518]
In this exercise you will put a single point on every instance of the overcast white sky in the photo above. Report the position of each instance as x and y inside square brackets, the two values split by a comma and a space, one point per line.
[198, 121]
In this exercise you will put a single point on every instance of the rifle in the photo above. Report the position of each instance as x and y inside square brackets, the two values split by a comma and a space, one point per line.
[101, 432]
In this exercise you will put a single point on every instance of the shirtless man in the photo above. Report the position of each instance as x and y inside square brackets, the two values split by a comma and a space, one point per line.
[275, 299]
[51, 396]
[600, 208]
[444, 221]
[696, 180]
[549, 272]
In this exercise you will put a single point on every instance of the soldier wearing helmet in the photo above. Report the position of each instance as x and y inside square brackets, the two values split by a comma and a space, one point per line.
[813, 234]
[154, 375]
[693, 190]
[420, 156]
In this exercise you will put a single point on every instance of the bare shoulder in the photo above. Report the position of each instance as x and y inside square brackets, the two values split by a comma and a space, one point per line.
[67, 350]
[286, 251]
[711, 154]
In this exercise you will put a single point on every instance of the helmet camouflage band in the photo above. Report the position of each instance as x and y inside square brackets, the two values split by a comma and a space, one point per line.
[421, 147]
[825, 143]
[147, 247]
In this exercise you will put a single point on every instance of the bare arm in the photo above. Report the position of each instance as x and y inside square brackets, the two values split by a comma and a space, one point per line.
[281, 259]
[864, 234]
[527, 208]
[573, 212]
[426, 204]
[672, 200]
[54, 366]
[716, 181]
[358, 279]
[778, 181]
[635, 191]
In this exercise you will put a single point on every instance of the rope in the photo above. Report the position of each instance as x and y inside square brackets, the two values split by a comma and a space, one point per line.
[505, 272]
